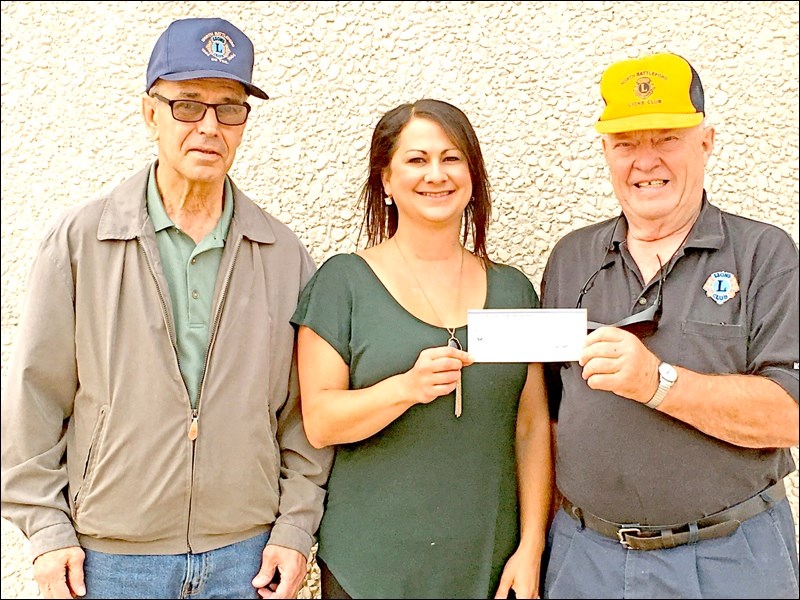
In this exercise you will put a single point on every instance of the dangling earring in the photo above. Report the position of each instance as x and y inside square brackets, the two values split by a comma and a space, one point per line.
[388, 201]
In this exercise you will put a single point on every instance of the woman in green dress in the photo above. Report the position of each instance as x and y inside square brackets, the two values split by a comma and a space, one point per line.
[442, 478]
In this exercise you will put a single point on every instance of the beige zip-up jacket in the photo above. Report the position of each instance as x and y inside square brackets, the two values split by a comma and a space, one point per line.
[96, 418]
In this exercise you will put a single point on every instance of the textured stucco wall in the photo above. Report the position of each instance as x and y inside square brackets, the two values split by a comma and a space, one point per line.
[526, 73]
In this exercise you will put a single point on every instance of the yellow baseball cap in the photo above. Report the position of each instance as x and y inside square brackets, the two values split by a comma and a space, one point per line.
[661, 91]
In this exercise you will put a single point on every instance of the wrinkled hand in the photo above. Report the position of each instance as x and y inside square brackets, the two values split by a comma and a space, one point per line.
[436, 373]
[290, 568]
[616, 361]
[59, 573]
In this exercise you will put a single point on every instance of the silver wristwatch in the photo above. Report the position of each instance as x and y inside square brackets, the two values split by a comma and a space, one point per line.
[666, 377]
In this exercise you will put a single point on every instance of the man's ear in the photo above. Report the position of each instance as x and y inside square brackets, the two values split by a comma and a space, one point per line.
[605, 142]
[709, 134]
[149, 116]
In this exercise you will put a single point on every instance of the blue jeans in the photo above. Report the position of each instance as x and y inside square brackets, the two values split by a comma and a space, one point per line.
[222, 573]
[758, 560]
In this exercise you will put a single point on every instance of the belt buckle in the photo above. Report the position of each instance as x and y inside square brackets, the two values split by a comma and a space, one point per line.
[623, 531]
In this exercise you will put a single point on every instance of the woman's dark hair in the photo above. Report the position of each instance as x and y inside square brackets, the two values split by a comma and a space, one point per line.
[380, 220]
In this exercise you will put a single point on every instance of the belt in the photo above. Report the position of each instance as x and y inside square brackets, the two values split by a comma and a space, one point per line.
[634, 536]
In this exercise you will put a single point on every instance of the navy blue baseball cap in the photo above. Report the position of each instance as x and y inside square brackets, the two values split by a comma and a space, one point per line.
[200, 48]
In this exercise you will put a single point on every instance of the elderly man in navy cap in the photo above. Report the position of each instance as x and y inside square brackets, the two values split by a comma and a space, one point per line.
[152, 444]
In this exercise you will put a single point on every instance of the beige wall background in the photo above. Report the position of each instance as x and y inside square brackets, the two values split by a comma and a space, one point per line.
[526, 73]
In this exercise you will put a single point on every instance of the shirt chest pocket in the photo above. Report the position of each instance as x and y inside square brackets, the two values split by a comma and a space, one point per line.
[715, 347]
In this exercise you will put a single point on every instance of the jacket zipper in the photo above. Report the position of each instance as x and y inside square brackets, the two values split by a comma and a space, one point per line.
[174, 343]
[194, 428]
[215, 322]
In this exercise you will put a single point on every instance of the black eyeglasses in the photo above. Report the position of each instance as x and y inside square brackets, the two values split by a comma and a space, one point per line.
[192, 111]
[641, 324]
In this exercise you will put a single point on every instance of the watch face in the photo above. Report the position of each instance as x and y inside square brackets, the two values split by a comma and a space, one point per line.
[667, 371]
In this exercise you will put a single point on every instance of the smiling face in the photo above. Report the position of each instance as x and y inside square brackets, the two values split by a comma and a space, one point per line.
[428, 176]
[658, 174]
[201, 152]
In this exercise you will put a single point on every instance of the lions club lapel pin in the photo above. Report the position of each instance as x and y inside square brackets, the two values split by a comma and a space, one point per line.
[721, 286]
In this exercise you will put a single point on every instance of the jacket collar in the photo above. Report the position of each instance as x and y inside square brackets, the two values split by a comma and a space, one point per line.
[125, 213]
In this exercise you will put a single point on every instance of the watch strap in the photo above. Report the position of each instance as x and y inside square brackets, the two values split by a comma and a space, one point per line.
[658, 397]
[663, 387]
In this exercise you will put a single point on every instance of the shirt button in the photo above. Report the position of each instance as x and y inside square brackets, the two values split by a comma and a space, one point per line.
[195, 294]
[194, 261]
[643, 301]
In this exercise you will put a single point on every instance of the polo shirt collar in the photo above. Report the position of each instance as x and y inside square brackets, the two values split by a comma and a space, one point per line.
[155, 206]
[125, 215]
[706, 232]
[161, 220]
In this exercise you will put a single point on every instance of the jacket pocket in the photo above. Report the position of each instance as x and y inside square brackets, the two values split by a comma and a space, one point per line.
[91, 461]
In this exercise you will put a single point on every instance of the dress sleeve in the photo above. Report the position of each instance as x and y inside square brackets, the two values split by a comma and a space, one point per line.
[552, 370]
[533, 296]
[530, 297]
[518, 291]
[326, 303]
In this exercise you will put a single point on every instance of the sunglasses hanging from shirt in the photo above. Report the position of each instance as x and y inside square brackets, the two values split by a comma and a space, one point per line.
[641, 324]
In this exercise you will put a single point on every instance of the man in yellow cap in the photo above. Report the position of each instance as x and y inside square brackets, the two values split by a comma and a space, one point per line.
[675, 426]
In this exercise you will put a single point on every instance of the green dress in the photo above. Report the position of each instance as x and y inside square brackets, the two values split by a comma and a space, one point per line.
[427, 507]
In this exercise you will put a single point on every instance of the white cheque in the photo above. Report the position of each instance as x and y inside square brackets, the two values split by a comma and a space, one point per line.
[526, 334]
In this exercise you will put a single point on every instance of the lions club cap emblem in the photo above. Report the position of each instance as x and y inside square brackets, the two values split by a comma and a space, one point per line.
[721, 286]
[218, 46]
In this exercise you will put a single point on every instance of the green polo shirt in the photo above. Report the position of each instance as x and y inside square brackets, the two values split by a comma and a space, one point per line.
[191, 273]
